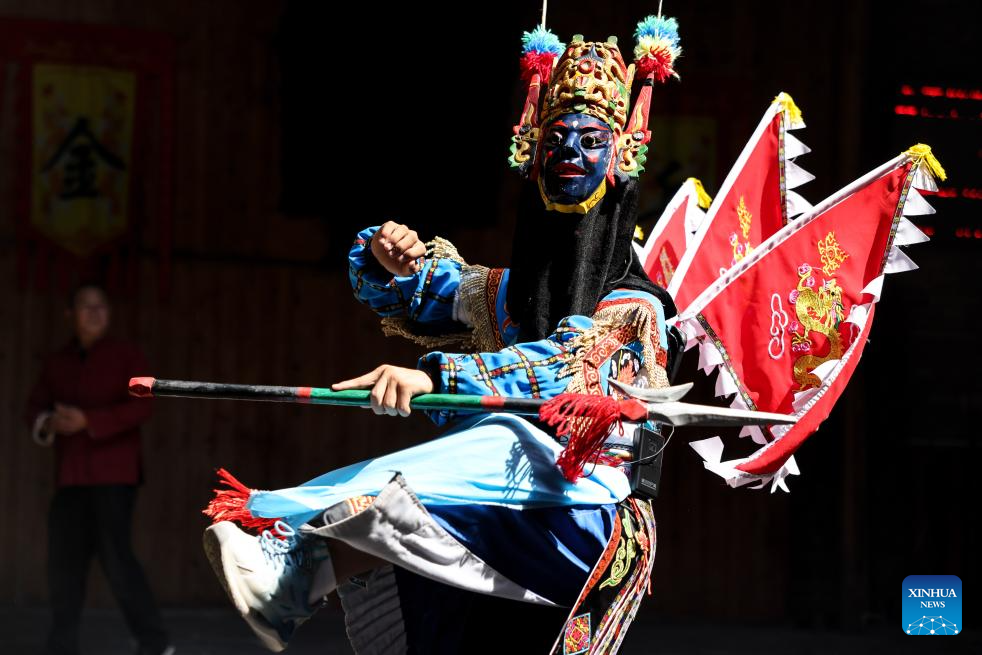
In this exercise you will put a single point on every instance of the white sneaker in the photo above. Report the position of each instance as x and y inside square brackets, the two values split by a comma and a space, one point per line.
[268, 578]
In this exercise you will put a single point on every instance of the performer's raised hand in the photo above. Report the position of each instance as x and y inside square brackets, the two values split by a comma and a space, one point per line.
[392, 388]
[398, 249]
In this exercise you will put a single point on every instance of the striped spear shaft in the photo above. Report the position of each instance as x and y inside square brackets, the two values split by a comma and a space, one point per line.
[146, 387]
[639, 404]
[566, 412]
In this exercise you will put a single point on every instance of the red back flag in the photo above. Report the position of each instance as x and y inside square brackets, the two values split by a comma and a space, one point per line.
[754, 202]
[668, 240]
[787, 325]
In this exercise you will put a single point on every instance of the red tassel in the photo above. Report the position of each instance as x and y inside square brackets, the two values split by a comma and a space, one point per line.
[537, 62]
[587, 419]
[658, 61]
[230, 504]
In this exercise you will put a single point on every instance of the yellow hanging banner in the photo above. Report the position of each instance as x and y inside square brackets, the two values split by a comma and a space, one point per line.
[82, 119]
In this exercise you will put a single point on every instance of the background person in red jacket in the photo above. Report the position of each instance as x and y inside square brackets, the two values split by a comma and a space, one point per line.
[81, 406]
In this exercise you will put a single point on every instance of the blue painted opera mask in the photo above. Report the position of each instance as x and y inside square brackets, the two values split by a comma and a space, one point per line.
[576, 153]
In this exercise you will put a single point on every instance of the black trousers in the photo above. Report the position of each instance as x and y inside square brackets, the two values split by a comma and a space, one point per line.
[95, 521]
[444, 620]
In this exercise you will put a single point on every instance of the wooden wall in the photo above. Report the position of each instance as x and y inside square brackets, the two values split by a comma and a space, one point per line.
[254, 302]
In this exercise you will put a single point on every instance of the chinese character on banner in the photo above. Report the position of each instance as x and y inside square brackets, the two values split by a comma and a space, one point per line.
[83, 135]
[92, 110]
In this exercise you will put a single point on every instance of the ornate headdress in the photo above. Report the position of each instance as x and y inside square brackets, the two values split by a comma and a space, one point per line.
[590, 77]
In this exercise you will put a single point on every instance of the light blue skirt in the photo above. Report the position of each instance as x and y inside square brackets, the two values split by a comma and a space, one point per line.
[488, 459]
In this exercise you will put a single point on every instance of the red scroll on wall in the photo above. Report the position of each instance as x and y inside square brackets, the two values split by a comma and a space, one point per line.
[92, 120]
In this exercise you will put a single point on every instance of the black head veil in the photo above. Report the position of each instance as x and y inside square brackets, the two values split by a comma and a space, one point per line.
[563, 264]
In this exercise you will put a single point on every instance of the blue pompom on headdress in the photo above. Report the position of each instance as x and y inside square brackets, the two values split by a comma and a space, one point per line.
[540, 40]
[658, 28]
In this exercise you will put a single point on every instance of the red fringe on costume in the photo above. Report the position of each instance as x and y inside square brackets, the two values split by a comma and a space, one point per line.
[587, 419]
[230, 504]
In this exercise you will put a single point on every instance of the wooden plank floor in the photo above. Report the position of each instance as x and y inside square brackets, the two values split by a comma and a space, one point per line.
[217, 631]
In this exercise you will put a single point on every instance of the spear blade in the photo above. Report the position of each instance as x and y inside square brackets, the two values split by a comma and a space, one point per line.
[662, 406]
[650, 394]
[679, 414]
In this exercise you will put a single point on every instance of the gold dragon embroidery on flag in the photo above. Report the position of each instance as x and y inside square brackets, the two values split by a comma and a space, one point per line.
[742, 249]
[819, 309]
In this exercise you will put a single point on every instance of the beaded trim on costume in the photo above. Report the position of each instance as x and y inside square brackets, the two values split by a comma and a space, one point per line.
[478, 293]
[400, 326]
[440, 248]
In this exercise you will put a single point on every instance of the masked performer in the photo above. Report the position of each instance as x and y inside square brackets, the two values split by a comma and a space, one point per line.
[426, 545]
